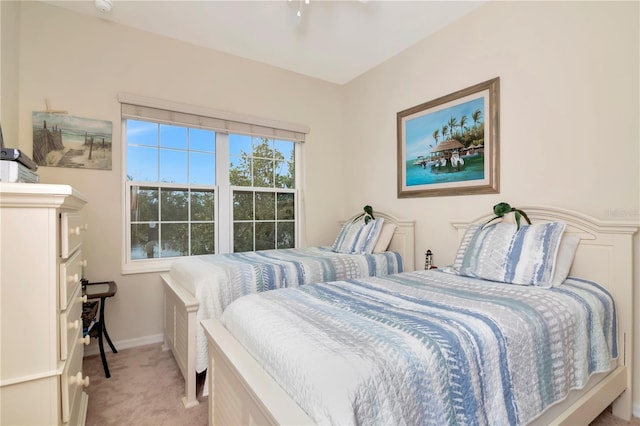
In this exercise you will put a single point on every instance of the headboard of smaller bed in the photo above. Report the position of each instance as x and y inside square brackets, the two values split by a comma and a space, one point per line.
[403, 240]
[605, 256]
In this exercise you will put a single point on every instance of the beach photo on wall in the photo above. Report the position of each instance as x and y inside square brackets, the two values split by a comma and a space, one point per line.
[61, 140]
[449, 146]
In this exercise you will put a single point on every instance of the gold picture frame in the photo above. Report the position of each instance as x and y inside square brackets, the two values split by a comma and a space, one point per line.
[450, 145]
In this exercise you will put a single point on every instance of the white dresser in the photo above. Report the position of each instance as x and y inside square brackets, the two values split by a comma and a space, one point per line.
[41, 344]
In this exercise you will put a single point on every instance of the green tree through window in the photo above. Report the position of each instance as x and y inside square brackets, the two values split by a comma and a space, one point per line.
[171, 181]
[262, 176]
[172, 190]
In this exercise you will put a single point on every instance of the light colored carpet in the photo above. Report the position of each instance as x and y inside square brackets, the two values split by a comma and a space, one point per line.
[146, 388]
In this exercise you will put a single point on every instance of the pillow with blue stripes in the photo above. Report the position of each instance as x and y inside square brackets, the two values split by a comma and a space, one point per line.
[503, 253]
[356, 237]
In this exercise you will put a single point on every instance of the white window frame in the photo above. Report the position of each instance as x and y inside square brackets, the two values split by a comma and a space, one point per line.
[294, 191]
[148, 265]
[223, 123]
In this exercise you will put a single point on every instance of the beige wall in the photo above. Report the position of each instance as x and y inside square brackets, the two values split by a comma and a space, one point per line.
[569, 124]
[569, 118]
[9, 70]
[81, 63]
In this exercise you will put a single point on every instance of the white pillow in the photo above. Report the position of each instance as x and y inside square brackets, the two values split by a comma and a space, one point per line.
[386, 234]
[504, 254]
[564, 260]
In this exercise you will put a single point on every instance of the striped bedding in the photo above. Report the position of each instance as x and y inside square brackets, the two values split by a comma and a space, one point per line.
[428, 348]
[217, 280]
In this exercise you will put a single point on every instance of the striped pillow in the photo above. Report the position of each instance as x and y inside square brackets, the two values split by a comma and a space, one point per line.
[358, 238]
[502, 253]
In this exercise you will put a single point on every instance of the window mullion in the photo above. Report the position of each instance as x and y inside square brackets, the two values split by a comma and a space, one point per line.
[159, 225]
[224, 212]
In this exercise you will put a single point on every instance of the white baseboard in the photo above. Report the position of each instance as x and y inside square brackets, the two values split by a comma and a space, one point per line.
[636, 410]
[94, 348]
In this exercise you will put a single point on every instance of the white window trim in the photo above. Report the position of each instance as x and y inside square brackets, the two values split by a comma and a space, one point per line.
[223, 240]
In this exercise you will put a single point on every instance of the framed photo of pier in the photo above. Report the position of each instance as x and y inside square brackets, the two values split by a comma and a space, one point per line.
[61, 140]
[450, 145]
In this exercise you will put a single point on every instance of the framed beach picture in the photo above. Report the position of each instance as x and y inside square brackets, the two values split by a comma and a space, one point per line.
[449, 146]
[61, 140]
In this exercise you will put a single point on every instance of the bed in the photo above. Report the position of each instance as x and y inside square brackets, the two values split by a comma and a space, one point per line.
[200, 287]
[241, 390]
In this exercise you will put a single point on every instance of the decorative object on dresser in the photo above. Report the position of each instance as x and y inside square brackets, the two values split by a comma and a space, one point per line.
[12, 171]
[15, 166]
[99, 291]
[13, 154]
[41, 342]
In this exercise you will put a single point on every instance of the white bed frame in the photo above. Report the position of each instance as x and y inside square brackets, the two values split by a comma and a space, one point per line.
[241, 392]
[180, 307]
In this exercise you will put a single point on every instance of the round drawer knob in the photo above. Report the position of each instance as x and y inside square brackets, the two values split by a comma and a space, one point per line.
[86, 340]
[74, 325]
[78, 380]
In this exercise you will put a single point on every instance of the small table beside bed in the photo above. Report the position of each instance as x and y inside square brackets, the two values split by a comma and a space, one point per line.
[200, 287]
[496, 338]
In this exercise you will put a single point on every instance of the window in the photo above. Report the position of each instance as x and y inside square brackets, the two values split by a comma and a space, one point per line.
[262, 178]
[192, 189]
[170, 181]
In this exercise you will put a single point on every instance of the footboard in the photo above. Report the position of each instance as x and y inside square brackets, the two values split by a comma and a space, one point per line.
[240, 391]
[179, 324]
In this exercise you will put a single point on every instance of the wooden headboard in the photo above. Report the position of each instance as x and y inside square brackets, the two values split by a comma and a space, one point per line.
[403, 240]
[605, 256]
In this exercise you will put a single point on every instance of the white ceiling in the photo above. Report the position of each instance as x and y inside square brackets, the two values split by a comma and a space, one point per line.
[334, 41]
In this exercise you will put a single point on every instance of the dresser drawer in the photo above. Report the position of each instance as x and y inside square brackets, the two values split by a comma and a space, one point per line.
[71, 230]
[70, 275]
[71, 325]
[72, 382]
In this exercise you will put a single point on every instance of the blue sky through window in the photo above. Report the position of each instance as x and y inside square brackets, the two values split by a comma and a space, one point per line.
[169, 153]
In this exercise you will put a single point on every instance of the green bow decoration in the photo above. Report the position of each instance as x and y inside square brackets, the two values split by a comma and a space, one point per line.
[501, 209]
[368, 214]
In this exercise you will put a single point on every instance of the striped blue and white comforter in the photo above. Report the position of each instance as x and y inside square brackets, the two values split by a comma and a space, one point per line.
[217, 280]
[427, 347]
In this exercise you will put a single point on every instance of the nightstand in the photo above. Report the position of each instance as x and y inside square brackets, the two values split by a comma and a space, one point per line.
[100, 290]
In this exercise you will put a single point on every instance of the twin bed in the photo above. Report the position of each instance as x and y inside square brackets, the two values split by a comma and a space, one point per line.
[200, 288]
[497, 338]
